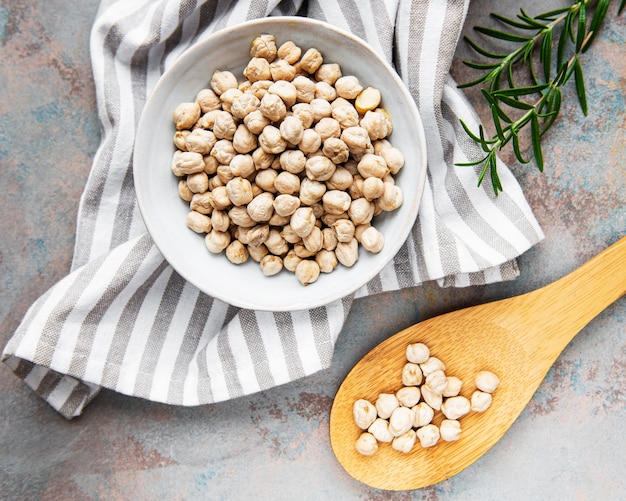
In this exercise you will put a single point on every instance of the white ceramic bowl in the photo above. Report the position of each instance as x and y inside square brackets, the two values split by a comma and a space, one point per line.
[164, 212]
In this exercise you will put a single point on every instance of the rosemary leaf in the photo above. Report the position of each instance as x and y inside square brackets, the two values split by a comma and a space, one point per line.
[511, 22]
[581, 32]
[546, 54]
[501, 35]
[596, 21]
[580, 86]
[535, 135]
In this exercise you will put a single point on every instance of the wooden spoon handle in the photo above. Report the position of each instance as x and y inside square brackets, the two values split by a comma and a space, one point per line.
[565, 306]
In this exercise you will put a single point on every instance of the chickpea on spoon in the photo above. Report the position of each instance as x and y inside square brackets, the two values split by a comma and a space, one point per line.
[517, 338]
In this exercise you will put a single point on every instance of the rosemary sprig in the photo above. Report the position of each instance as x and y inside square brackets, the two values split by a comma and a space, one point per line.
[549, 47]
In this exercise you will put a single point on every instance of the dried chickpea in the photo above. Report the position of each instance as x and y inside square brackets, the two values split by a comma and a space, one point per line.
[224, 174]
[340, 180]
[307, 271]
[208, 100]
[328, 72]
[259, 88]
[244, 141]
[293, 161]
[261, 207]
[220, 220]
[372, 240]
[217, 241]
[345, 113]
[200, 223]
[289, 235]
[241, 165]
[305, 89]
[319, 168]
[326, 260]
[325, 91]
[239, 191]
[240, 217]
[373, 187]
[336, 201]
[224, 125]
[357, 139]
[223, 151]
[348, 87]
[366, 444]
[285, 90]
[207, 120]
[186, 115]
[282, 70]
[220, 199]
[202, 203]
[391, 198]
[302, 221]
[273, 107]
[292, 130]
[372, 165]
[291, 260]
[264, 46]
[276, 244]
[290, 52]
[200, 141]
[311, 141]
[344, 230]
[329, 239]
[271, 265]
[394, 159]
[236, 252]
[244, 104]
[328, 127]
[227, 98]
[262, 159]
[347, 252]
[198, 182]
[313, 241]
[180, 139]
[286, 205]
[221, 81]
[361, 211]
[304, 112]
[360, 229]
[287, 183]
[311, 60]
[257, 252]
[257, 235]
[311, 191]
[187, 162]
[183, 191]
[258, 68]
[336, 150]
[271, 139]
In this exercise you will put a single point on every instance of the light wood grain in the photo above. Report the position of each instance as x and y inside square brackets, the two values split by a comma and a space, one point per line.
[517, 338]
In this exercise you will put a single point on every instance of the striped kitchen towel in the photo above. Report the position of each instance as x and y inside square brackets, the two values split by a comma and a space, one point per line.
[124, 320]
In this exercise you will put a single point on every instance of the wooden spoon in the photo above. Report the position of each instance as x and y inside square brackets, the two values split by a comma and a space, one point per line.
[517, 338]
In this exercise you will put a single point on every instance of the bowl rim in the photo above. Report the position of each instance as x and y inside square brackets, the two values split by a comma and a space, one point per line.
[190, 55]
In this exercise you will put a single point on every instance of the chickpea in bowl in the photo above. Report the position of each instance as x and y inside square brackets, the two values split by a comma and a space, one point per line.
[285, 146]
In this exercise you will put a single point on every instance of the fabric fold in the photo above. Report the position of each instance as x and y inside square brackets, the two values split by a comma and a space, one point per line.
[124, 320]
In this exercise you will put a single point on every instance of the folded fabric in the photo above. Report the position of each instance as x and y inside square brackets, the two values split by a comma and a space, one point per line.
[124, 320]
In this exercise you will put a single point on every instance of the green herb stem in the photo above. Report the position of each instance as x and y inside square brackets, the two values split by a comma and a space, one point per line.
[578, 31]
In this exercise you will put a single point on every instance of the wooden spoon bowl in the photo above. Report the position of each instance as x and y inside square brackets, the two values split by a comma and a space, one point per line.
[517, 338]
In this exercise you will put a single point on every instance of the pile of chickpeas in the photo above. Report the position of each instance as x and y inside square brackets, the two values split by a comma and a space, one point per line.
[405, 417]
[288, 166]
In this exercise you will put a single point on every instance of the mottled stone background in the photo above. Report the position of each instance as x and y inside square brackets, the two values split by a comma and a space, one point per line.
[568, 444]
